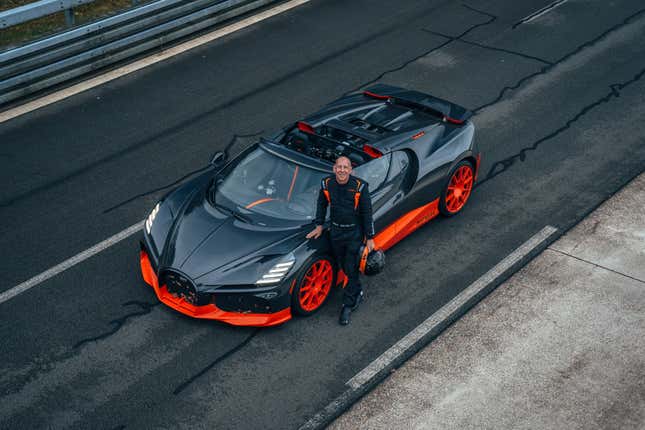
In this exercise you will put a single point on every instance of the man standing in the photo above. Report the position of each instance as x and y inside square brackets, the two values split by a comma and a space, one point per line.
[351, 222]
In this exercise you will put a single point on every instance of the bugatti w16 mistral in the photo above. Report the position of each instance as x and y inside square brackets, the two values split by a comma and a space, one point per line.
[230, 244]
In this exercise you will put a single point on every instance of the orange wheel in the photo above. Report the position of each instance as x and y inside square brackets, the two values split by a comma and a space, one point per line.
[459, 187]
[313, 285]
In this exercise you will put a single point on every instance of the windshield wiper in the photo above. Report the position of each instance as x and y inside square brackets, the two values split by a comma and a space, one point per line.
[240, 217]
[211, 196]
[232, 212]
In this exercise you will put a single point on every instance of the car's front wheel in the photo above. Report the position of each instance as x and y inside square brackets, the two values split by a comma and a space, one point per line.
[313, 285]
[458, 189]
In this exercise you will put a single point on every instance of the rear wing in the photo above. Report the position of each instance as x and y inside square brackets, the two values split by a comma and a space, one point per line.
[450, 112]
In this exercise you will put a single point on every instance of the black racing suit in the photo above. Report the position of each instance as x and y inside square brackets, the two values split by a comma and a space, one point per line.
[351, 221]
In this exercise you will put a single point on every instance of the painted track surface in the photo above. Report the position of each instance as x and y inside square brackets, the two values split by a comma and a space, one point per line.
[559, 104]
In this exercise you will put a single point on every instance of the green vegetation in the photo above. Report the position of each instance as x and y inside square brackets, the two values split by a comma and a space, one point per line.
[28, 31]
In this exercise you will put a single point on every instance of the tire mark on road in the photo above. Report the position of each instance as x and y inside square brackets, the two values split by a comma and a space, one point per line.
[503, 165]
[180, 180]
[436, 48]
[548, 68]
[146, 308]
[181, 387]
[492, 48]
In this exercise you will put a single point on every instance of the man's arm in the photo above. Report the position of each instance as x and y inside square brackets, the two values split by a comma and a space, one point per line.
[365, 212]
[321, 208]
[321, 211]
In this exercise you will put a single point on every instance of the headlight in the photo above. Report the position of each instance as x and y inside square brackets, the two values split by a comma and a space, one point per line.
[278, 271]
[151, 218]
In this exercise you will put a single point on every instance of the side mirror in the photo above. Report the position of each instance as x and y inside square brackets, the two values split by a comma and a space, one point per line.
[218, 158]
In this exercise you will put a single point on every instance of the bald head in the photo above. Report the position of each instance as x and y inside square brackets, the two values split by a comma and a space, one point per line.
[342, 169]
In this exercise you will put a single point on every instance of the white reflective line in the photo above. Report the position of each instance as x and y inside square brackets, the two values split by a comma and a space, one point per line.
[145, 62]
[542, 11]
[448, 309]
[70, 262]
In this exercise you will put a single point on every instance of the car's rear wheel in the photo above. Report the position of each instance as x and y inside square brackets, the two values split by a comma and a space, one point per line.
[313, 285]
[458, 189]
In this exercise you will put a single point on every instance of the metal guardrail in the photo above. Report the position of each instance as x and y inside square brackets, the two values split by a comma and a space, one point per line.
[68, 55]
[39, 9]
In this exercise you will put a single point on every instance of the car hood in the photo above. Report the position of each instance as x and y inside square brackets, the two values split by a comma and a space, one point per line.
[212, 246]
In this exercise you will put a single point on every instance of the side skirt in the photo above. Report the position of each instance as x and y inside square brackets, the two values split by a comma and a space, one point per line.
[405, 225]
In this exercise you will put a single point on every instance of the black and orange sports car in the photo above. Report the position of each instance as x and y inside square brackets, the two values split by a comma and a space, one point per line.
[230, 244]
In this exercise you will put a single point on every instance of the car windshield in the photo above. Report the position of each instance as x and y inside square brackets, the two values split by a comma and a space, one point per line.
[267, 184]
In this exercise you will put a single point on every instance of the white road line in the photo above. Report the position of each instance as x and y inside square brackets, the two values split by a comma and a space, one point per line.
[540, 12]
[448, 309]
[145, 62]
[70, 262]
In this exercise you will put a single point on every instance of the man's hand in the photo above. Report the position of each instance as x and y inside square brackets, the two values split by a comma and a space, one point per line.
[315, 233]
[370, 244]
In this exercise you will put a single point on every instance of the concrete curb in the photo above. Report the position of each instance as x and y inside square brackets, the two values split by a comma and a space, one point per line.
[431, 328]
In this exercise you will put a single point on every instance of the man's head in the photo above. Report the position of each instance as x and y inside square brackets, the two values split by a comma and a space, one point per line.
[342, 169]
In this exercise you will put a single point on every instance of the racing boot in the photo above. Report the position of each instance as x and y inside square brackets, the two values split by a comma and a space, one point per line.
[345, 312]
[358, 301]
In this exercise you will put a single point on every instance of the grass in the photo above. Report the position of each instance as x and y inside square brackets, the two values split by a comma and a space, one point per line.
[26, 32]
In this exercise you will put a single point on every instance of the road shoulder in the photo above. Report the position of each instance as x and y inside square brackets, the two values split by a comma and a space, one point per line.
[557, 345]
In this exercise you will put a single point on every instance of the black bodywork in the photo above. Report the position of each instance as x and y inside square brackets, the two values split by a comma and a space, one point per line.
[209, 250]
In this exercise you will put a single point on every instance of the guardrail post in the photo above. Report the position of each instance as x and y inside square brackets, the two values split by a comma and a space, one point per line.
[69, 16]
[79, 50]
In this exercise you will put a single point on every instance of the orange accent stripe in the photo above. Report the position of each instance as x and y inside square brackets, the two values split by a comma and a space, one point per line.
[418, 135]
[293, 284]
[211, 311]
[303, 126]
[341, 278]
[293, 182]
[375, 96]
[453, 120]
[357, 194]
[361, 265]
[326, 191]
[257, 202]
[405, 225]
[371, 151]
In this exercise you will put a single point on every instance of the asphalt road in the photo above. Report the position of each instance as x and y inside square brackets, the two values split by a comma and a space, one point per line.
[560, 106]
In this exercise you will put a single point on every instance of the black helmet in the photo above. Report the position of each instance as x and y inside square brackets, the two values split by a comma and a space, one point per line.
[371, 263]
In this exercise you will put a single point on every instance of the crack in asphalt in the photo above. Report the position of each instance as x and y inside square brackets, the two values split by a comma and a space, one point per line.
[165, 133]
[181, 387]
[186, 176]
[549, 67]
[154, 190]
[596, 265]
[506, 163]
[492, 48]
[146, 308]
[614, 92]
[190, 121]
[436, 48]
